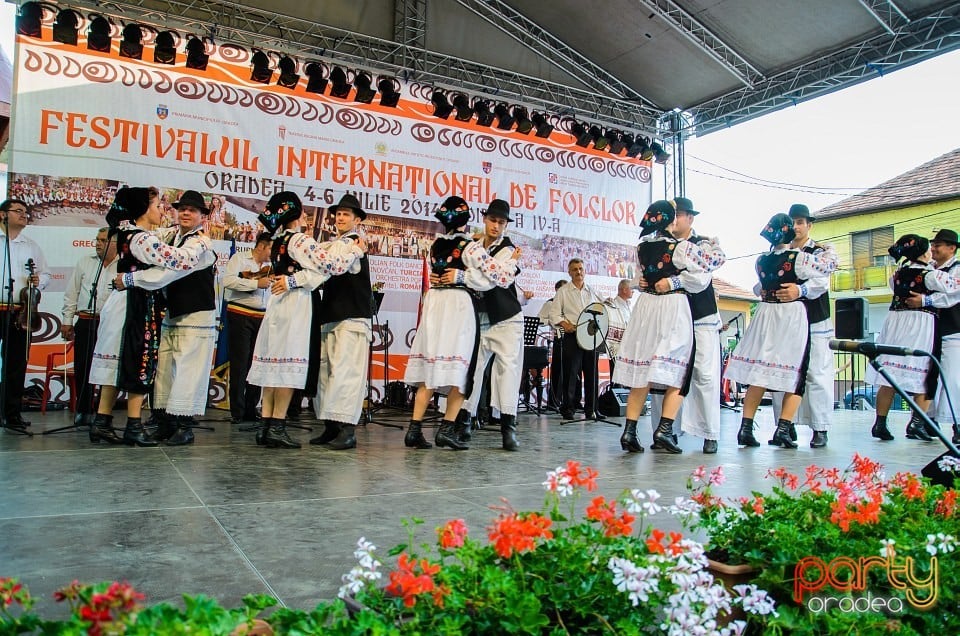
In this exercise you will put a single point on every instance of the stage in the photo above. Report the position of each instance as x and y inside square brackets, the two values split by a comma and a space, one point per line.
[225, 517]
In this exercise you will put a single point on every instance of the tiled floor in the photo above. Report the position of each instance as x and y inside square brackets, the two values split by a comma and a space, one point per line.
[225, 517]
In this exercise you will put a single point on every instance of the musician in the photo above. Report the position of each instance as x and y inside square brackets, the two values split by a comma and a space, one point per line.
[501, 334]
[345, 318]
[246, 283]
[565, 314]
[619, 315]
[96, 270]
[14, 218]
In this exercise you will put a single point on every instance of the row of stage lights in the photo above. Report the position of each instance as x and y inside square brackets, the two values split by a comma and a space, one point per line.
[341, 81]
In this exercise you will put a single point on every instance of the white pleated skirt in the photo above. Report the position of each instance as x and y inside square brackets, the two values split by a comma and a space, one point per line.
[281, 354]
[912, 329]
[771, 351]
[443, 347]
[657, 342]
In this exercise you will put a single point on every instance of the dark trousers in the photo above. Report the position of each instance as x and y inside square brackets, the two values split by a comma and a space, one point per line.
[577, 363]
[84, 341]
[14, 352]
[241, 336]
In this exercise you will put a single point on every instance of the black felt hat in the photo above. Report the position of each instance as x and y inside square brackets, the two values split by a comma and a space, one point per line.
[193, 199]
[800, 211]
[946, 236]
[683, 204]
[351, 203]
[498, 208]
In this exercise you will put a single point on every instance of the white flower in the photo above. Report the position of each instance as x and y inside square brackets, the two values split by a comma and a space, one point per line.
[940, 543]
[754, 600]
[364, 554]
[686, 509]
[559, 481]
[637, 582]
[949, 463]
[360, 575]
[888, 549]
[640, 502]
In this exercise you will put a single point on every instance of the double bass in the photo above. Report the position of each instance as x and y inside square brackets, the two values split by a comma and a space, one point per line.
[29, 318]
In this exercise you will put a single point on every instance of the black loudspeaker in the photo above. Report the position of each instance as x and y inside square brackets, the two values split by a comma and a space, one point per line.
[613, 402]
[850, 316]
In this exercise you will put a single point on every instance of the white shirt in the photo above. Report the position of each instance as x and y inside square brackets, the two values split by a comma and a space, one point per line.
[22, 249]
[244, 291]
[569, 303]
[79, 291]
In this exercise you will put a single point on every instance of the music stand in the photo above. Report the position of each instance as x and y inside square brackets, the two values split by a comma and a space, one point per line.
[534, 357]
[591, 333]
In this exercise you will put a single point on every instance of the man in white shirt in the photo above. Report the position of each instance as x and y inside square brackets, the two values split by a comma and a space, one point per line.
[555, 400]
[81, 309]
[14, 217]
[619, 314]
[246, 282]
[565, 312]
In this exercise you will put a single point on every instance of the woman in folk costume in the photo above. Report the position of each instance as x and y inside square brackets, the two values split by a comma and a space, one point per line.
[128, 342]
[911, 328]
[775, 349]
[444, 350]
[657, 346]
[281, 353]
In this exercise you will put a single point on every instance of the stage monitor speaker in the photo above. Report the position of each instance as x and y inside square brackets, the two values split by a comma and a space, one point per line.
[851, 316]
[613, 402]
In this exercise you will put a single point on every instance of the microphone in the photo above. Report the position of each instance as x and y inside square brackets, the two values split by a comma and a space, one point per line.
[871, 349]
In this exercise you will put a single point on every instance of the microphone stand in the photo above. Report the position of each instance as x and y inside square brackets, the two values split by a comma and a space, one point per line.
[596, 372]
[723, 405]
[7, 269]
[384, 329]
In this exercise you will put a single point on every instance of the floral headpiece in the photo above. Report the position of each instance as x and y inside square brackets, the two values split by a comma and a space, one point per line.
[282, 208]
[910, 247]
[453, 213]
[659, 215]
[779, 229]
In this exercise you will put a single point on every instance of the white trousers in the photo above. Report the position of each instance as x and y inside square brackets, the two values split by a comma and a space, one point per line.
[183, 368]
[949, 381]
[817, 403]
[503, 341]
[344, 354]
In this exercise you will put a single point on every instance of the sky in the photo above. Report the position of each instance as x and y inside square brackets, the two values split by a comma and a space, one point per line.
[829, 148]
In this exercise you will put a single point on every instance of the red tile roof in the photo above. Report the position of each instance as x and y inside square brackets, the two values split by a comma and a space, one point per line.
[729, 290]
[935, 180]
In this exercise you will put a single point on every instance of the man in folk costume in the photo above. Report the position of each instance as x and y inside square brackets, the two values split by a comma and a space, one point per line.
[817, 402]
[501, 335]
[188, 334]
[943, 249]
[444, 351]
[775, 348]
[911, 327]
[700, 413]
[280, 356]
[658, 343]
[345, 318]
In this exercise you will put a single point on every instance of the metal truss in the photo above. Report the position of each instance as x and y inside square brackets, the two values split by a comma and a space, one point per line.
[551, 48]
[702, 38]
[229, 21]
[887, 13]
[918, 40]
[410, 30]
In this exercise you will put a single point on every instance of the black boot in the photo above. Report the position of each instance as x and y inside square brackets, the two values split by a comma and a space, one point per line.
[101, 429]
[414, 437]
[782, 435]
[447, 437]
[956, 434]
[330, 432]
[819, 439]
[629, 441]
[508, 431]
[183, 434]
[161, 426]
[880, 430]
[745, 434]
[276, 435]
[916, 429]
[261, 434]
[463, 427]
[134, 434]
[664, 436]
[791, 433]
[346, 439]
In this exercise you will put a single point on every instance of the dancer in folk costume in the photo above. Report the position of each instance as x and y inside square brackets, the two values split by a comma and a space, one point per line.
[911, 327]
[501, 335]
[128, 339]
[817, 403]
[280, 356]
[775, 349]
[345, 318]
[658, 344]
[444, 351]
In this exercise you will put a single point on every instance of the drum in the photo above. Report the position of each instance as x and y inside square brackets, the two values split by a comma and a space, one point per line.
[618, 324]
[592, 326]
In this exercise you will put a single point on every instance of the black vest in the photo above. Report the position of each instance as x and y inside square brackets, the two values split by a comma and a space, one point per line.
[280, 259]
[950, 316]
[656, 260]
[818, 309]
[907, 280]
[774, 270]
[704, 303]
[447, 253]
[500, 303]
[348, 295]
[126, 262]
[194, 292]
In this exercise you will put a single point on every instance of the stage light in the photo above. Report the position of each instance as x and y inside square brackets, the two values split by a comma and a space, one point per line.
[28, 21]
[636, 146]
[132, 43]
[462, 104]
[288, 73]
[165, 48]
[659, 154]
[389, 91]
[260, 68]
[364, 85]
[505, 120]
[600, 141]
[581, 134]
[484, 116]
[65, 27]
[441, 106]
[339, 84]
[316, 77]
[544, 128]
[524, 125]
[197, 57]
[618, 141]
[98, 35]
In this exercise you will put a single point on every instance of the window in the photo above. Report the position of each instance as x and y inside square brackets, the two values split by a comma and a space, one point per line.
[869, 248]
